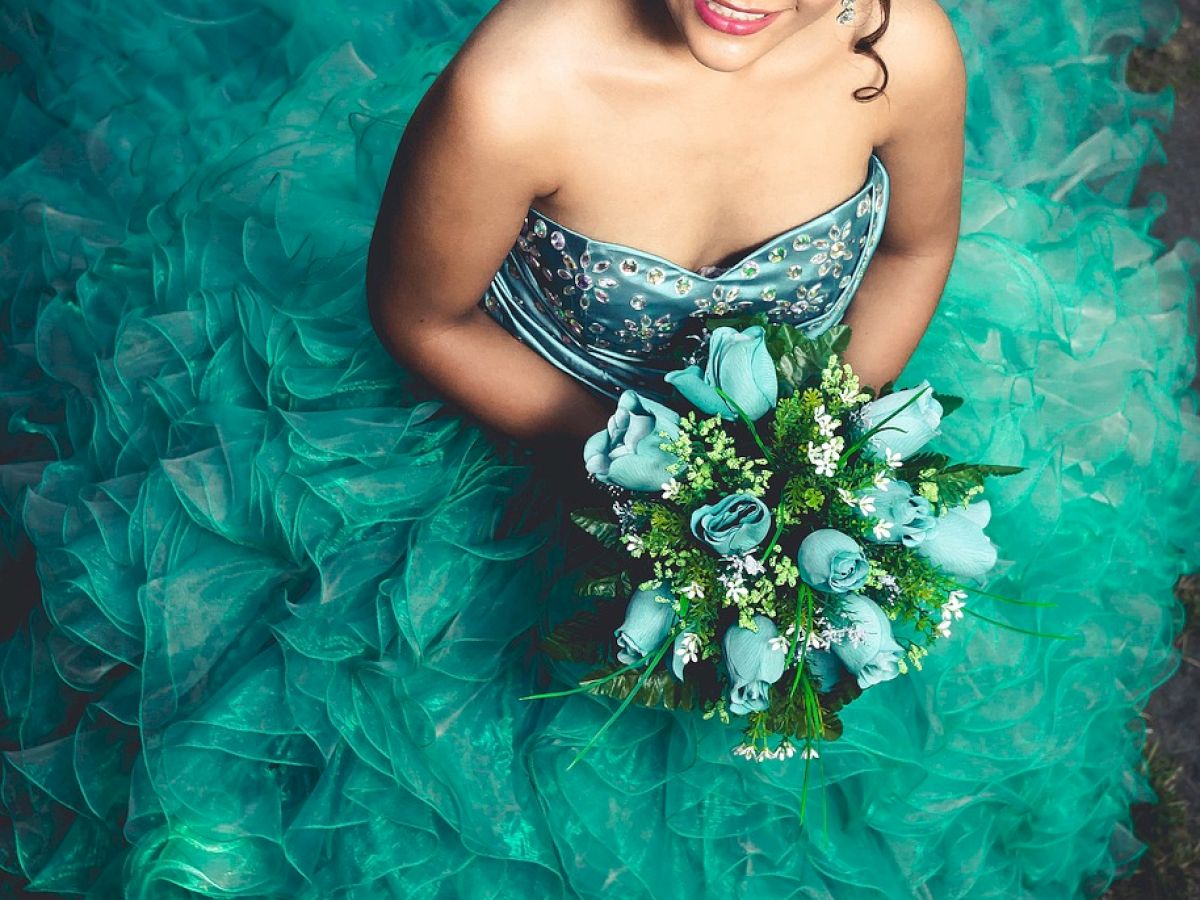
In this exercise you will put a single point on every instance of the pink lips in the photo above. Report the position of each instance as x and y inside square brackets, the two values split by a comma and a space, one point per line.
[732, 26]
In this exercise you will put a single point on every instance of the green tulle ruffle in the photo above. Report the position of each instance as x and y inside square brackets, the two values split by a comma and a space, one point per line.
[289, 598]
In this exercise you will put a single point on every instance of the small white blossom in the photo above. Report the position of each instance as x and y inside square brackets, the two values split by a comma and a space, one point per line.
[824, 458]
[693, 591]
[809, 752]
[944, 627]
[867, 504]
[882, 481]
[735, 588]
[753, 566]
[846, 497]
[689, 647]
[892, 458]
[826, 423]
[779, 642]
[953, 607]
[883, 530]
[670, 489]
[634, 544]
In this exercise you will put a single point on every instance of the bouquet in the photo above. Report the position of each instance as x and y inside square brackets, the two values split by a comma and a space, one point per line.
[778, 547]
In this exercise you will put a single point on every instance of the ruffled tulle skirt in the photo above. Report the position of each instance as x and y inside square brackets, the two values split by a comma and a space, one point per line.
[290, 599]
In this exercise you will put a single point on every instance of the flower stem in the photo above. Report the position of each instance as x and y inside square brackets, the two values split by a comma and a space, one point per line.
[867, 435]
[1042, 634]
[628, 698]
[974, 590]
[778, 531]
[805, 596]
[585, 686]
[748, 422]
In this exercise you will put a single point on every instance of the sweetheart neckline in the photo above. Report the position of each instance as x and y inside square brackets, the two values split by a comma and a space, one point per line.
[876, 170]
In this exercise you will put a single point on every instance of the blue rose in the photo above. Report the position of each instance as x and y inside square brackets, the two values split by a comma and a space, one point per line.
[735, 524]
[911, 517]
[627, 452]
[824, 667]
[647, 623]
[958, 545]
[874, 656]
[755, 661]
[908, 431]
[831, 561]
[741, 366]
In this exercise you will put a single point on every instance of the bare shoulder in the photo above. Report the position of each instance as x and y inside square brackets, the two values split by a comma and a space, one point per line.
[926, 73]
[511, 74]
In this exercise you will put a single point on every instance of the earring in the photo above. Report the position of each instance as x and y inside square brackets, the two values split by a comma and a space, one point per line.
[846, 16]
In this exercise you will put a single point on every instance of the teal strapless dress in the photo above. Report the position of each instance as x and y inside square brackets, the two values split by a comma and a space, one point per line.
[289, 598]
[608, 314]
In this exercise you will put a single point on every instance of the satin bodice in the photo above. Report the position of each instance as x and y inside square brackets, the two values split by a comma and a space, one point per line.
[606, 312]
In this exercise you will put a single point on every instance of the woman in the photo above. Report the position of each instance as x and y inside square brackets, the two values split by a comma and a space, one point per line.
[290, 595]
[760, 130]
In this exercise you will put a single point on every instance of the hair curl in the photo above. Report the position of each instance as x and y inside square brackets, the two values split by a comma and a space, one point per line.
[866, 46]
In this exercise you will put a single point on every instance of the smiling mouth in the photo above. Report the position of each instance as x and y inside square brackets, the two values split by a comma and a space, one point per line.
[731, 12]
[732, 20]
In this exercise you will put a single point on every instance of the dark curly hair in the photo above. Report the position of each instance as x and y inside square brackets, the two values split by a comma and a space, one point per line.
[866, 46]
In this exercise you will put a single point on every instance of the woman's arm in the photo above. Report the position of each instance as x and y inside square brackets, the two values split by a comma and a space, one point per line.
[470, 163]
[923, 152]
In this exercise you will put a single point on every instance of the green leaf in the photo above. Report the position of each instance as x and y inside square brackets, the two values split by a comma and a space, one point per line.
[606, 587]
[949, 402]
[954, 483]
[914, 464]
[799, 359]
[596, 523]
[660, 689]
[581, 638]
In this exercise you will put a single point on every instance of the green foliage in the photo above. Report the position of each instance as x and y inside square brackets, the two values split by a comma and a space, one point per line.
[799, 360]
[919, 461]
[957, 484]
[579, 638]
[660, 688]
[598, 524]
[605, 587]
[949, 402]
[793, 427]
[797, 462]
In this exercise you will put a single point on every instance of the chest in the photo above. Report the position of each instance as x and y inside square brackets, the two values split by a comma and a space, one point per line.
[702, 180]
[616, 298]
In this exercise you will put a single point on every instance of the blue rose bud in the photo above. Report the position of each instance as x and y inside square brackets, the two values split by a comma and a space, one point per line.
[824, 667]
[958, 545]
[627, 452]
[735, 524]
[647, 622]
[876, 657]
[741, 366]
[908, 431]
[755, 661]
[909, 518]
[832, 562]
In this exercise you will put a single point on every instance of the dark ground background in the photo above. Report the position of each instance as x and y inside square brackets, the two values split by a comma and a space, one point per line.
[1170, 869]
